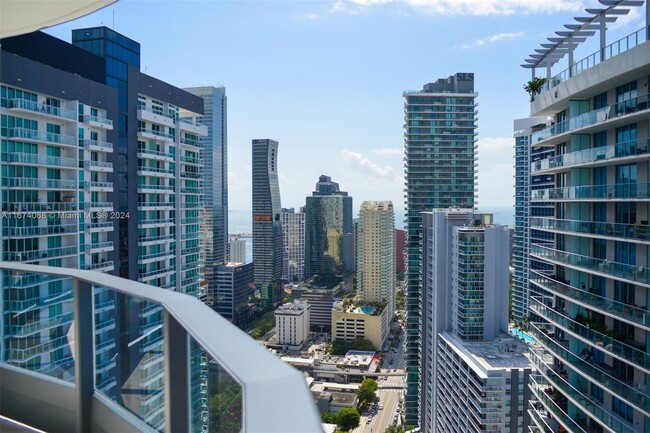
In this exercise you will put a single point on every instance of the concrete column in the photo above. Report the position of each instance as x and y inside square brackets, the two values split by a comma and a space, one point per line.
[177, 375]
[603, 37]
[570, 56]
[84, 353]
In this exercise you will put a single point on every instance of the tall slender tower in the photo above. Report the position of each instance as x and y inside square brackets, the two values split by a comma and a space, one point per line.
[440, 123]
[267, 226]
[293, 232]
[376, 254]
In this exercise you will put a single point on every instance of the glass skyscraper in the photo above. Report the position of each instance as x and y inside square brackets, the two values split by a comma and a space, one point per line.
[267, 225]
[440, 152]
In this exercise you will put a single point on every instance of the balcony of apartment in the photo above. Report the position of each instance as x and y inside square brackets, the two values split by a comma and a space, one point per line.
[154, 257]
[622, 113]
[34, 255]
[160, 222]
[594, 157]
[38, 183]
[191, 190]
[554, 404]
[632, 314]
[154, 239]
[598, 373]
[143, 170]
[154, 134]
[105, 306]
[99, 247]
[638, 357]
[100, 166]
[163, 271]
[98, 206]
[50, 111]
[156, 205]
[97, 145]
[630, 54]
[99, 227]
[617, 192]
[155, 189]
[99, 186]
[42, 137]
[66, 227]
[638, 233]
[558, 381]
[41, 160]
[189, 125]
[541, 420]
[102, 266]
[155, 115]
[191, 174]
[157, 155]
[260, 393]
[191, 160]
[619, 271]
[190, 142]
[98, 122]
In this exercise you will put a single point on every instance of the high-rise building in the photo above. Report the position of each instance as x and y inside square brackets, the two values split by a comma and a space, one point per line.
[328, 230]
[267, 227]
[233, 286]
[468, 357]
[440, 143]
[237, 250]
[57, 158]
[524, 236]
[292, 324]
[400, 242]
[376, 254]
[593, 334]
[293, 233]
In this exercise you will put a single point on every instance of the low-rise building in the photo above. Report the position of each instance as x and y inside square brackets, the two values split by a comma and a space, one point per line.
[292, 324]
[321, 298]
[369, 322]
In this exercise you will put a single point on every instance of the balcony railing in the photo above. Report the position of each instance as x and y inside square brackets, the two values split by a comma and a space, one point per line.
[539, 386]
[102, 145]
[101, 120]
[24, 104]
[624, 44]
[592, 155]
[631, 191]
[620, 271]
[603, 342]
[593, 372]
[28, 182]
[251, 389]
[156, 133]
[608, 306]
[633, 232]
[48, 137]
[593, 117]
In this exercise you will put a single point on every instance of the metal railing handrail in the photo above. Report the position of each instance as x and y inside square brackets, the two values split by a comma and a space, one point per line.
[271, 387]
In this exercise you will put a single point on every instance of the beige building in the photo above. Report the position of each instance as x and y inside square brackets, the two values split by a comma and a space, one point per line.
[292, 324]
[367, 322]
[376, 254]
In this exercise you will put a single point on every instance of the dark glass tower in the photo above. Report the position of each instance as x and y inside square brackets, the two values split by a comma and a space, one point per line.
[267, 226]
[329, 233]
[440, 123]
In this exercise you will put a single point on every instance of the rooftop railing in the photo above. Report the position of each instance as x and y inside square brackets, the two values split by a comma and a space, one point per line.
[214, 378]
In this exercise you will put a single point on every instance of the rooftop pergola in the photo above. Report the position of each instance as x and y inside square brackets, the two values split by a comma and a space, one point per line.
[585, 26]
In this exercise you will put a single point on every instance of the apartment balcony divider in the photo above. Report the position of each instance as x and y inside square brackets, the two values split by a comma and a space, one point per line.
[254, 392]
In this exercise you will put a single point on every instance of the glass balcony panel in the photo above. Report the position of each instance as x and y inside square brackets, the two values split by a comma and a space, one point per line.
[544, 393]
[636, 232]
[634, 191]
[140, 377]
[38, 318]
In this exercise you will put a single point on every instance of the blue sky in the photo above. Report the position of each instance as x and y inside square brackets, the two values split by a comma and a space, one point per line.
[325, 78]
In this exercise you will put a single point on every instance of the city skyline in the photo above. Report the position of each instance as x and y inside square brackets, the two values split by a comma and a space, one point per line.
[348, 64]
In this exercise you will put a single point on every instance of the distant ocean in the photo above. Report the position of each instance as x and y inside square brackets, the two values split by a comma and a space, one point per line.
[239, 221]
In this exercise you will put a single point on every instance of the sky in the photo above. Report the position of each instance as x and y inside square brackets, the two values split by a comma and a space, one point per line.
[325, 78]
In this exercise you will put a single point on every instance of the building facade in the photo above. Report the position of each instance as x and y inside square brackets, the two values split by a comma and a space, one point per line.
[524, 236]
[321, 300]
[376, 254]
[267, 226]
[464, 274]
[400, 243]
[292, 324]
[440, 136]
[328, 230]
[237, 250]
[350, 322]
[233, 287]
[592, 334]
[293, 233]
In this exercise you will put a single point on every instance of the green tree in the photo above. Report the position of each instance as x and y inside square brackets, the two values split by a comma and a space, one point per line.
[329, 418]
[394, 429]
[367, 393]
[348, 419]
[534, 87]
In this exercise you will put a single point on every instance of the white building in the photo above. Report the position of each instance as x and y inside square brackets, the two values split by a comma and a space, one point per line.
[376, 254]
[293, 234]
[237, 250]
[292, 324]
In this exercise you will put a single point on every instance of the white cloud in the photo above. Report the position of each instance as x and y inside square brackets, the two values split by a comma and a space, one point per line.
[492, 39]
[388, 151]
[495, 144]
[363, 163]
[633, 17]
[494, 7]
[306, 17]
